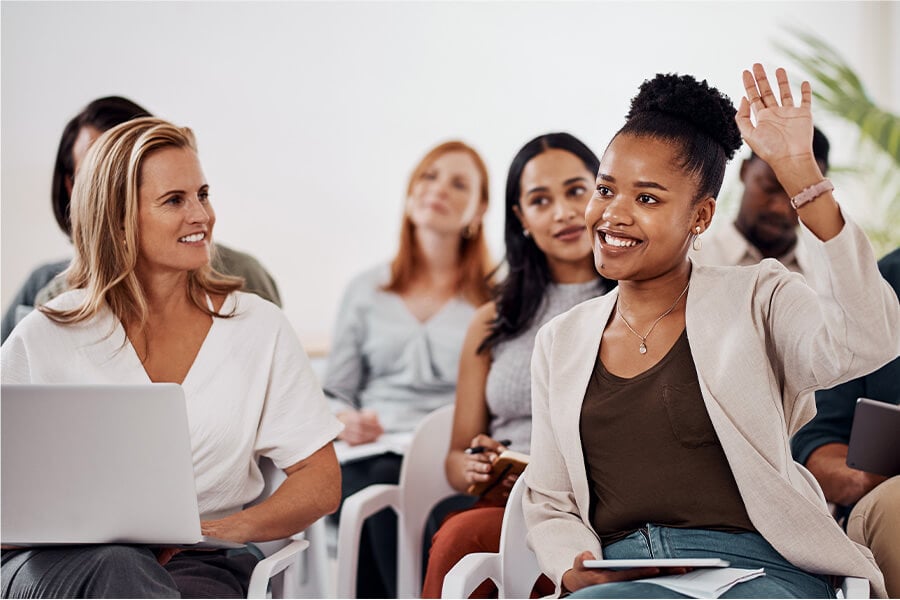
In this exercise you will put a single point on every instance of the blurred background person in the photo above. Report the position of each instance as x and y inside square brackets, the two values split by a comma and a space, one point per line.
[400, 329]
[766, 223]
[870, 502]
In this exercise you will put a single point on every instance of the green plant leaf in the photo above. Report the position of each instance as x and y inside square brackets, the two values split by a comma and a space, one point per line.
[839, 90]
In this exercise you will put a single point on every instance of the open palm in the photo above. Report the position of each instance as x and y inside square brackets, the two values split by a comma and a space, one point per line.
[783, 130]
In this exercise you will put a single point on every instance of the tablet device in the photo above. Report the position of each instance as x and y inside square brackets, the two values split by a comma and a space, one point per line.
[875, 438]
[636, 563]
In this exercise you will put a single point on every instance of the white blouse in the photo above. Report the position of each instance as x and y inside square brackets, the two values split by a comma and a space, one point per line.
[250, 392]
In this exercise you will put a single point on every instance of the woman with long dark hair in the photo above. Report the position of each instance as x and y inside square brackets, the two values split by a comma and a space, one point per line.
[550, 270]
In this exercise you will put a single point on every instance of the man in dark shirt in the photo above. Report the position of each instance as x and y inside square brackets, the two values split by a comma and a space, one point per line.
[871, 501]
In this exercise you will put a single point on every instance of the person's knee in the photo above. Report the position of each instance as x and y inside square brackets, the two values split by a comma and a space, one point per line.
[448, 540]
[117, 557]
[474, 530]
[876, 513]
[123, 571]
[107, 571]
[886, 499]
[626, 589]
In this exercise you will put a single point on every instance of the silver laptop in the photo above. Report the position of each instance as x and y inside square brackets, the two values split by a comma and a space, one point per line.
[875, 438]
[97, 464]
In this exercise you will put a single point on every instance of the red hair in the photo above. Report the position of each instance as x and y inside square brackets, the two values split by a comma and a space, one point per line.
[474, 265]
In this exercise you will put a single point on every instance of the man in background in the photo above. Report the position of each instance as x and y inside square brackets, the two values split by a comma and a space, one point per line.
[766, 223]
[871, 502]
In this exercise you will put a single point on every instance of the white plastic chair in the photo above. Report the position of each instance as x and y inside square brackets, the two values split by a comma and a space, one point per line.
[292, 572]
[422, 485]
[514, 569]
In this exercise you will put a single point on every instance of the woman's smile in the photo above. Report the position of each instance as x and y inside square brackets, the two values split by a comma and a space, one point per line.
[570, 234]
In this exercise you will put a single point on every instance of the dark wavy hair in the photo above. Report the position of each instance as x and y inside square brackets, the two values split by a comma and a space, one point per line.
[695, 118]
[519, 296]
[102, 114]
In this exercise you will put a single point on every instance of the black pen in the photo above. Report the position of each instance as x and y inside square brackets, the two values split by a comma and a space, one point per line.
[482, 449]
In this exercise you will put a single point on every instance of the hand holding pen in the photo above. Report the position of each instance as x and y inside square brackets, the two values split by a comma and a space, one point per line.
[483, 451]
[480, 449]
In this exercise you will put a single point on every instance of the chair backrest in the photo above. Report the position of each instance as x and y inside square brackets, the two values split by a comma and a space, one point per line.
[519, 568]
[423, 484]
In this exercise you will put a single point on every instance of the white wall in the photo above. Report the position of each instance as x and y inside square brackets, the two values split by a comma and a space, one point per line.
[310, 116]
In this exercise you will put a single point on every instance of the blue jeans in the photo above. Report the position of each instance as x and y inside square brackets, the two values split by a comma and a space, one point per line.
[743, 550]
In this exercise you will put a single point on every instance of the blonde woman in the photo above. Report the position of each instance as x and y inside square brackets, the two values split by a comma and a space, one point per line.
[400, 331]
[147, 307]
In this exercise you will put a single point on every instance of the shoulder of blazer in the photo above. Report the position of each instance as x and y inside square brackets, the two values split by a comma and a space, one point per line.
[574, 327]
[715, 281]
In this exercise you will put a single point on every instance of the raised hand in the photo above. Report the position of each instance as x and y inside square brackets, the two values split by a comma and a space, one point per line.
[783, 131]
[782, 137]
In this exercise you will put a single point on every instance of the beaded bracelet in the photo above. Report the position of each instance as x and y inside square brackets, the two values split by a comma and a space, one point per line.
[811, 193]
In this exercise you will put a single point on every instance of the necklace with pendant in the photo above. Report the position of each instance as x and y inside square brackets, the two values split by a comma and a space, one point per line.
[643, 347]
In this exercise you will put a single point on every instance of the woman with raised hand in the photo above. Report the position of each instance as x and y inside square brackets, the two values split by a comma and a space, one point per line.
[400, 329]
[662, 411]
[146, 306]
[550, 270]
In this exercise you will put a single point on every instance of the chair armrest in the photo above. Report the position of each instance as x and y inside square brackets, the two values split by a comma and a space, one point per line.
[357, 508]
[469, 572]
[273, 565]
[855, 587]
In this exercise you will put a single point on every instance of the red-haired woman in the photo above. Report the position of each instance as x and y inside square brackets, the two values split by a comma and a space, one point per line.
[400, 330]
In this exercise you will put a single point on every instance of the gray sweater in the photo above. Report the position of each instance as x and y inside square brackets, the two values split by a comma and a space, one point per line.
[508, 388]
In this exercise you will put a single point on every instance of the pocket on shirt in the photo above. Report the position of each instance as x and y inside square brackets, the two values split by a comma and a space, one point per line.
[687, 416]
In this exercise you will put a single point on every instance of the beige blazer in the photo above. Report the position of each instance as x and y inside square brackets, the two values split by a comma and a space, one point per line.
[762, 340]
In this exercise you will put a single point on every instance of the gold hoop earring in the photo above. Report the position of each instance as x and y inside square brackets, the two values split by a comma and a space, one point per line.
[697, 243]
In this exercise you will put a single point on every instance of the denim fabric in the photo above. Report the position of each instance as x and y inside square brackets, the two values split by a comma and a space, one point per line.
[743, 550]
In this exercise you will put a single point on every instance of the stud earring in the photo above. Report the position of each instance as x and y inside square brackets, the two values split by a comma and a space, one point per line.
[526, 233]
[697, 243]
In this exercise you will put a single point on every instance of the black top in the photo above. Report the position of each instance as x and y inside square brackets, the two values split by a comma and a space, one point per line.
[652, 455]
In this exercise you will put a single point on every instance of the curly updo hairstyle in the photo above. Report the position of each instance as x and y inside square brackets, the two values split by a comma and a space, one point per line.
[698, 120]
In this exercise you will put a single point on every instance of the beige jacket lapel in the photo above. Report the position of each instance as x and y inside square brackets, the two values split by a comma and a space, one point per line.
[573, 363]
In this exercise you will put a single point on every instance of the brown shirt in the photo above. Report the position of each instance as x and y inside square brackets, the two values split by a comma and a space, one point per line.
[652, 455]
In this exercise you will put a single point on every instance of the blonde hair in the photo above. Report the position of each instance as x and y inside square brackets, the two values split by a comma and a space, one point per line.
[474, 266]
[104, 213]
